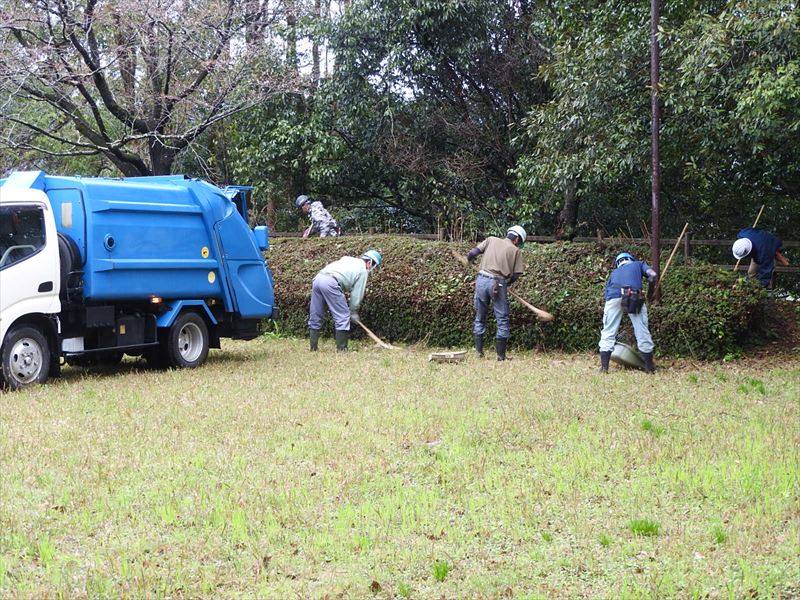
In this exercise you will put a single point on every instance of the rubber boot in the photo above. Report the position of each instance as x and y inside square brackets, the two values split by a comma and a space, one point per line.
[478, 344]
[313, 338]
[605, 357]
[500, 345]
[342, 335]
[649, 365]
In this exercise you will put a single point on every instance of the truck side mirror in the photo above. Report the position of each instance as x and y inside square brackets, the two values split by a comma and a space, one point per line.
[262, 237]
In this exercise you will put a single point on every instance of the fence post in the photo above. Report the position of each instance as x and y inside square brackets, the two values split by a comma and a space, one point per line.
[687, 247]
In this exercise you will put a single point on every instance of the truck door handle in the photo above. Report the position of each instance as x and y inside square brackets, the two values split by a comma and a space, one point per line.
[46, 286]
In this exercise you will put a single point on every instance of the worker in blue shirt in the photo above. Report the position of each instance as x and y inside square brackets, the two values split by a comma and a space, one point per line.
[624, 294]
[763, 248]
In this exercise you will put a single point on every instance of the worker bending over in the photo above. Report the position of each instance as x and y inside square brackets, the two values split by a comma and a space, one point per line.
[763, 248]
[348, 275]
[501, 265]
[321, 220]
[623, 294]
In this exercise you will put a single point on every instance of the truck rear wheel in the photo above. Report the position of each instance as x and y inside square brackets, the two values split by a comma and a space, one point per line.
[25, 358]
[187, 341]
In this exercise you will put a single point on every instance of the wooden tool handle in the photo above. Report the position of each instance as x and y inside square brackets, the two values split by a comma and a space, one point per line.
[542, 315]
[375, 338]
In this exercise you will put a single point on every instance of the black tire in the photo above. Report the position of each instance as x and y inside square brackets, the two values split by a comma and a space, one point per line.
[187, 342]
[70, 258]
[25, 358]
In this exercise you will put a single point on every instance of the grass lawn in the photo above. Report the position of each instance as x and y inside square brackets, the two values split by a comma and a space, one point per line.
[274, 472]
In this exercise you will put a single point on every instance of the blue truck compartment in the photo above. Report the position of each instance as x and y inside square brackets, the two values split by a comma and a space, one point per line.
[168, 237]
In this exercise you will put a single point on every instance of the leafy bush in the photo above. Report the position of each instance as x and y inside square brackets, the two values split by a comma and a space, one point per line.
[422, 293]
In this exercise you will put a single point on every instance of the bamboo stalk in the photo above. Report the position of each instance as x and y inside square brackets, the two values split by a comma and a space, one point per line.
[669, 260]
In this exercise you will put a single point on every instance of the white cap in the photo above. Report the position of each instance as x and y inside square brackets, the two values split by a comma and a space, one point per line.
[741, 248]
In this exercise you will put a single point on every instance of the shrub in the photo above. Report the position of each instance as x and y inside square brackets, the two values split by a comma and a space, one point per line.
[422, 293]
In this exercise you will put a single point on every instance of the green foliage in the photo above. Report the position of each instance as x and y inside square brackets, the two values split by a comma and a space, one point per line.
[422, 293]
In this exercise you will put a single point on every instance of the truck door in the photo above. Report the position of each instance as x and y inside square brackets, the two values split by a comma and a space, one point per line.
[29, 266]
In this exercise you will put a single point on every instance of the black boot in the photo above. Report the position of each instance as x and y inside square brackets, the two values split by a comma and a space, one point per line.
[342, 335]
[313, 338]
[605, 356]
[478, 344]
[500, 345]
[649, 365]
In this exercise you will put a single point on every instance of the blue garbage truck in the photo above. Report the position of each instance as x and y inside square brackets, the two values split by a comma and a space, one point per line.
[92, 269]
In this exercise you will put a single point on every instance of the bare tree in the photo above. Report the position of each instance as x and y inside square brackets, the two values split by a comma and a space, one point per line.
[134, 81]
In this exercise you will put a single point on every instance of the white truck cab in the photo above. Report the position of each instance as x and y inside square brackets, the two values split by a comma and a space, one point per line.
[29, 283]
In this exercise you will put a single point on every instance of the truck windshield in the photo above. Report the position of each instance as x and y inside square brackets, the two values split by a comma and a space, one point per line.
[21, 233]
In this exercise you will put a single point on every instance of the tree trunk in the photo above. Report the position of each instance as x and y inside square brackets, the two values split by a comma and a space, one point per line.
[568, 216]
[315, 67]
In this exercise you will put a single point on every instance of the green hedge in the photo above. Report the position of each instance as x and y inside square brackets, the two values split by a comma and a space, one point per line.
[423, 294]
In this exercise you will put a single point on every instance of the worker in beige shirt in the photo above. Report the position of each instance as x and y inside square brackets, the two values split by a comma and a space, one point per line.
[501, 265]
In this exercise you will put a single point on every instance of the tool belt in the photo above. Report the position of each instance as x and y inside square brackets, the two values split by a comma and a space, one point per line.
[632, 300]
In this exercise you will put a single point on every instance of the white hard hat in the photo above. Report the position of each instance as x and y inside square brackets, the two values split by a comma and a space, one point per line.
[741, 248]
[519, 232]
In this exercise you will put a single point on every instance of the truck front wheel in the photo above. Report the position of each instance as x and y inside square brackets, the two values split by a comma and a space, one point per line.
[25, 358]
[187, 341]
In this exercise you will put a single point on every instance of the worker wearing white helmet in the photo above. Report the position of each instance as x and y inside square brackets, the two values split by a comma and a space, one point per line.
[348, 275]
[321, 220]
[501, 265]
[763, 248]
[624, 294]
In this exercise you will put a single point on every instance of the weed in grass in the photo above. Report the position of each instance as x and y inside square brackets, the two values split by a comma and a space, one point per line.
[753, 384]
[45, 551]
[656, 430]
[168, 513]
[719, 535]
[547, 536]
[605, 540]
[644, 527]
[239, 526]
[692, 377]
[404, 590]
[441, 569]
[722, 377]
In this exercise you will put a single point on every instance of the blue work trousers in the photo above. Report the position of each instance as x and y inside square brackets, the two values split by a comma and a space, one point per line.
[483, 296]
[325, 290]
[612, 319]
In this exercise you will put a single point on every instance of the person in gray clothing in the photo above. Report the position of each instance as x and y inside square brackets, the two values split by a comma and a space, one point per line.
[321, 220]
[346, 275]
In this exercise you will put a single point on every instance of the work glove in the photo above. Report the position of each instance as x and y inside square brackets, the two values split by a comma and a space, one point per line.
[651, 279]
[354, 317]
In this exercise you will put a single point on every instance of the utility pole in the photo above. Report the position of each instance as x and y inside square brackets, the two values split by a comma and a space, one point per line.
[655, 234]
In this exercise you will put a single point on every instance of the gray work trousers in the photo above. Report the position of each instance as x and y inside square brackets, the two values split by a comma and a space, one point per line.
[325, 290]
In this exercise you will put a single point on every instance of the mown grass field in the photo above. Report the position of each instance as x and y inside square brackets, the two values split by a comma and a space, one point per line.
[272, 472]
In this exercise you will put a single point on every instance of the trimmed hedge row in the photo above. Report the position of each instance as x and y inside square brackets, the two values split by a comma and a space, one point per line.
[422, 293]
